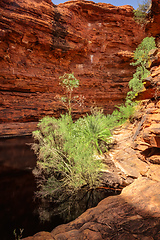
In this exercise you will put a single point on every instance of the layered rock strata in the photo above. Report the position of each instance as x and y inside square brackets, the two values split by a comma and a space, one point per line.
[153, 26]
[135, 213]
[40, 41]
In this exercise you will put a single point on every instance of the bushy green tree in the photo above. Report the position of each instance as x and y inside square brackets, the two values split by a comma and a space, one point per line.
[141, 57]
[69, 83]
[140, 14]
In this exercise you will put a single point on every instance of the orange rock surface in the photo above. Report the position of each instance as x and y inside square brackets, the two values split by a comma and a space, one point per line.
[153, 27]
[40, 41]
[135, 213]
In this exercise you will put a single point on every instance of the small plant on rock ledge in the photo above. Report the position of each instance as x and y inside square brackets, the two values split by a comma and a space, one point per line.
[142, 60]
[69, 83]
[140, 14]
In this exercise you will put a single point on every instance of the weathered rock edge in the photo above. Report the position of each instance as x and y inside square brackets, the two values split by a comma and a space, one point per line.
[135, 213]
[40, 41]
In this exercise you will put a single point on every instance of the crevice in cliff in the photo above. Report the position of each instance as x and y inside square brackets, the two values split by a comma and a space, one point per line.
[16, 91]
[58, 32]
[152, 155]
[41, 41]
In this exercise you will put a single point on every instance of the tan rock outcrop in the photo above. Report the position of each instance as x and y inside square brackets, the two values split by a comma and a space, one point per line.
[153, 27]
[135, 214]
[39, 41]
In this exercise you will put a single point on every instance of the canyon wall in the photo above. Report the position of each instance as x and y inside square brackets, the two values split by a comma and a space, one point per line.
[134, 164]
[40, 41]
[153, 26]
[135, 213]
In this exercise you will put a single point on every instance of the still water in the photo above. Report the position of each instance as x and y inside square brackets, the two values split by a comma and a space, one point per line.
[18, 207]
[17, 186]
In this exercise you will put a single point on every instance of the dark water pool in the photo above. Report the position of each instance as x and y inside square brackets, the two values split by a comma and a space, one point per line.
[17, 186]
[18, 209]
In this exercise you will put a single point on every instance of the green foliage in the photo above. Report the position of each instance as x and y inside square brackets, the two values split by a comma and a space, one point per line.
[67, 155]
[93, 130]
[122, 113]
[68, 148]
[68, 152]
[18, 236]
[140, 14]
[68, 82]
[141, 57]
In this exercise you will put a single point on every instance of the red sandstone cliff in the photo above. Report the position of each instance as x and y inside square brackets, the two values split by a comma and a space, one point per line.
[135, 213]
[39, 41]
[153, 27]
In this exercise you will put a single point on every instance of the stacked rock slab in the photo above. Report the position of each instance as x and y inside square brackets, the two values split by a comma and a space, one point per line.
[135, 213]
[40, 41]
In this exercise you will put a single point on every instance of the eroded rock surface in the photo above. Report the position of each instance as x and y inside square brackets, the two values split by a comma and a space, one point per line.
[153, 26]
[135, 213]
[134, 164]
[40, 41]
[126, 216]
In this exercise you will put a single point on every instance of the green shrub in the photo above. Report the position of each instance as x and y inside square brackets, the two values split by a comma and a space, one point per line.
[69, 82]
[66, 155]
[140, 14]
[122, 113]
[65, 147]
[141, 57]
[68, 152]
[93, 129]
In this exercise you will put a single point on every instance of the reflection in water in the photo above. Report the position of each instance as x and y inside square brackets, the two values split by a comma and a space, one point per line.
[17, 186]
[18, 209]
[15, 153]
[69, 207]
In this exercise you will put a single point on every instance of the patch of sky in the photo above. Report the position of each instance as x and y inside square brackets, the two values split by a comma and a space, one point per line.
[133, 3]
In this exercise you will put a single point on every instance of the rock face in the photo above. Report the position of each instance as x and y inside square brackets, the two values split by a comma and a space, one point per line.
[40, 41]
[135, 213]
[153, 26]
[134, 161]
[126, 216]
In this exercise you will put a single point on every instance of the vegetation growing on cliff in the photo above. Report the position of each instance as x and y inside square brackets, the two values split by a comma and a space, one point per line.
[69, 162]
[142, 60]
[69, 152]
[140, 14]
[69, 83]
